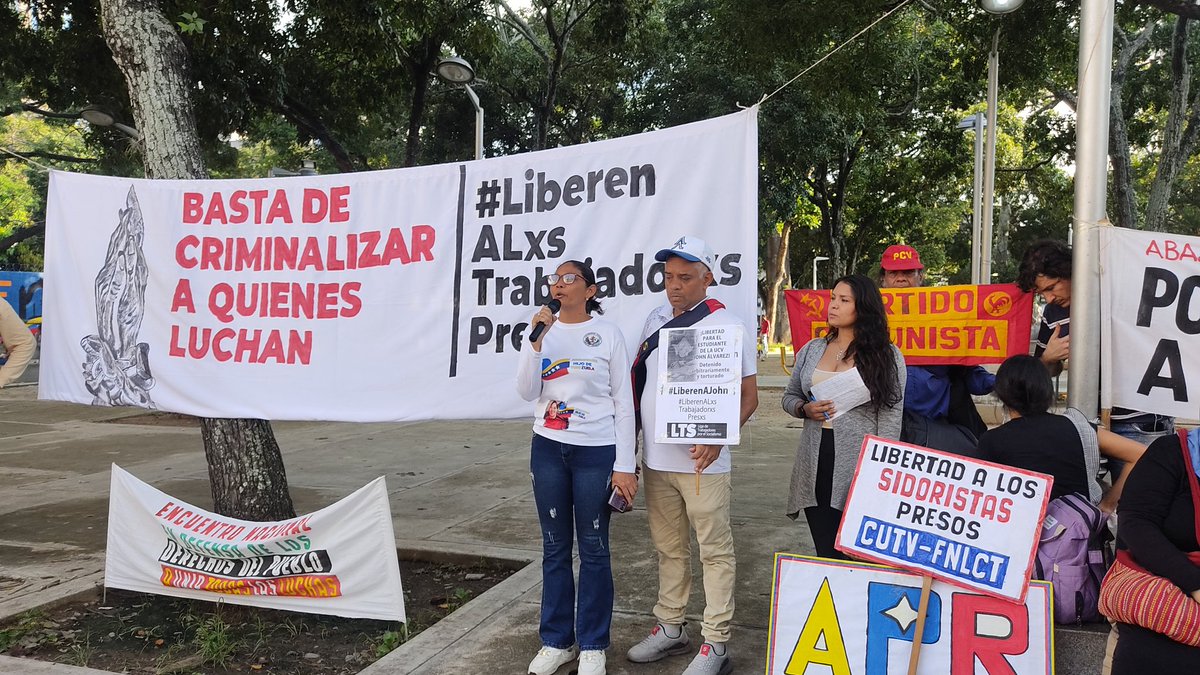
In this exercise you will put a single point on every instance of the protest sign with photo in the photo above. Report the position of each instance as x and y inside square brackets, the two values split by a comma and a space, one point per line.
[860, 619]
[375, 296]
[1150, 322]
[963, 521]
[700, 386]
[340, 560]
[934, 325]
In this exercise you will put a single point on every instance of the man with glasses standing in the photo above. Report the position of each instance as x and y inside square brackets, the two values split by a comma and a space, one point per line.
[1046, 270]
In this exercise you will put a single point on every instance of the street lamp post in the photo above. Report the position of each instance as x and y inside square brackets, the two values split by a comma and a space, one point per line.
[989, 172]
[100, 117]
[454, 70]
[815, 261]
[976, 122]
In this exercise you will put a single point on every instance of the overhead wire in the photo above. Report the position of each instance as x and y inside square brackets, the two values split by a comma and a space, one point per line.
[26, 159]
[835, 50]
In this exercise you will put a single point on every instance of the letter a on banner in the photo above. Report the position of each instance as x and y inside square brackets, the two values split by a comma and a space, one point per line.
[822, 626]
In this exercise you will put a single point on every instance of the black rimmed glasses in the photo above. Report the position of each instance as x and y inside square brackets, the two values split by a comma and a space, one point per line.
[568, 278]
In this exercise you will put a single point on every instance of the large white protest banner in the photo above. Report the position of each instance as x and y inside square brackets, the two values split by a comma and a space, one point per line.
[340, 560]
[1150, 322]
[859, 619]
[963, 521]
[375, 296]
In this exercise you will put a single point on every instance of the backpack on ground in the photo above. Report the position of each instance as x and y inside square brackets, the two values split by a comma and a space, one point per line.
[1074, 553]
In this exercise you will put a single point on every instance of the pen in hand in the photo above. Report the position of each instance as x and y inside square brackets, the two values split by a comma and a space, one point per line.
[813, 399]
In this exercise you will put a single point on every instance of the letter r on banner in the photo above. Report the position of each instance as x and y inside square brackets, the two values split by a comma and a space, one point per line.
[988, 629]
[892, 614]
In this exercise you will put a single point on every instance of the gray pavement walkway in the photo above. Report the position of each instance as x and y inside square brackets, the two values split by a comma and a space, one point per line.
[456, 489]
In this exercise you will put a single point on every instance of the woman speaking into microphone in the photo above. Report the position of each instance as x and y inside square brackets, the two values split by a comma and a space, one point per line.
[577, 371]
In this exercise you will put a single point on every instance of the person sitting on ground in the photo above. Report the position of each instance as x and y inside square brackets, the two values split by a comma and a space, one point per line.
[1158, 534]
[1067, 446]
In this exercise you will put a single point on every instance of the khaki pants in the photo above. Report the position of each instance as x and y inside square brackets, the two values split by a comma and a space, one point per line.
[673, 508]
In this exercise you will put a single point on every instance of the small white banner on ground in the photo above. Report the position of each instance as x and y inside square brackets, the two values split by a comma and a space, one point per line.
[1150, 322]
[700, 386]
[963, 521]
[375, 296]
[859, 619]
[340, 560]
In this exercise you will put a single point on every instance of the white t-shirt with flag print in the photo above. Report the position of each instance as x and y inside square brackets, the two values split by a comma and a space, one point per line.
[580, 382]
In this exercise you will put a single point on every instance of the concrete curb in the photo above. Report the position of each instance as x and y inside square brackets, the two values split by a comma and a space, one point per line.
[445, 635]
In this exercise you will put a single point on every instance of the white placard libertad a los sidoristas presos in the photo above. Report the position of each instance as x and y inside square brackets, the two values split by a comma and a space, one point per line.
[964, 521]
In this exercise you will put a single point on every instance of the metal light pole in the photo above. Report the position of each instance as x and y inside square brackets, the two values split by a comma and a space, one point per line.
[457, 71]
[989, 171]
[1091, 183]
[977, 123]
[815, 261]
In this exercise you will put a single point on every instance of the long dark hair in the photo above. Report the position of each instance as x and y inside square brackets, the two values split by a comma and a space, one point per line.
[593, 305]
[872, 344]
[1023, 385]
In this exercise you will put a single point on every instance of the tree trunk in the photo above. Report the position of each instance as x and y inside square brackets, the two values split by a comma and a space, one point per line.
[1003, 229]
[420, 70]
[1124, 197]
[777, 279]
[245, 465]
[1174, 153]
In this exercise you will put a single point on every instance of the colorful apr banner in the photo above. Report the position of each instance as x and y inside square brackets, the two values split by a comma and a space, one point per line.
[375, 296]
[960, 520]
[858, 619]
[936, 325]
[340, 560]
[1150, 320]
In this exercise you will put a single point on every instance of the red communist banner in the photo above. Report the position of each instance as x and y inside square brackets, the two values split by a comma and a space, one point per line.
[937, 325]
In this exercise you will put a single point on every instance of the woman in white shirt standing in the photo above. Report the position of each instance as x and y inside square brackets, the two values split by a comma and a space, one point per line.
[583, 439]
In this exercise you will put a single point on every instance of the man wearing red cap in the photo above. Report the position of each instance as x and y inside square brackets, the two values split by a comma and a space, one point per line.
[938, 409]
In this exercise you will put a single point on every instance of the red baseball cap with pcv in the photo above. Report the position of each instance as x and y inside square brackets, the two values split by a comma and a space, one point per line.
[901, 257]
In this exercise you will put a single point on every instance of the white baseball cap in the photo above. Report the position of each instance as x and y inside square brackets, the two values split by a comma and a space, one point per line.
[692, 249]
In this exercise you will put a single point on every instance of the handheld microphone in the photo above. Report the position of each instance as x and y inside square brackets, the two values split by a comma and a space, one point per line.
[553, 306]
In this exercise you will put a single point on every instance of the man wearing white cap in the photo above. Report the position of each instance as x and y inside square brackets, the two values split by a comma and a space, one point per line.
[674, 506]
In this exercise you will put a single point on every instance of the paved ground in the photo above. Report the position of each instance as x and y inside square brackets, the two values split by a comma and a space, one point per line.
[455, 488]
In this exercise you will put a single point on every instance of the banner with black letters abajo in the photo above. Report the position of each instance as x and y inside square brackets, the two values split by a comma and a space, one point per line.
[340, 560]
[390, 295]
[1150, 322]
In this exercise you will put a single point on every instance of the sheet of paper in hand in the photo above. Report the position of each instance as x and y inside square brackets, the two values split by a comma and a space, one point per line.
[846, 389]
[699, 385]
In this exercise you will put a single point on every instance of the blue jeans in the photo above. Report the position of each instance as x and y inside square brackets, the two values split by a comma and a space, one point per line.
[570, 486]
[1144, 433]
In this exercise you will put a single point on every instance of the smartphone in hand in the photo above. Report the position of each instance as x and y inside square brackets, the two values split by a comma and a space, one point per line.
[617, 501]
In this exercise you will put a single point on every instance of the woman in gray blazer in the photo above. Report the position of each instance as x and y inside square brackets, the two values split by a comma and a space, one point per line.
[829, 444]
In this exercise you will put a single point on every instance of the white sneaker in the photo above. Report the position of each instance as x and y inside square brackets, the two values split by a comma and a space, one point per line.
[550, 659]
[591, 662]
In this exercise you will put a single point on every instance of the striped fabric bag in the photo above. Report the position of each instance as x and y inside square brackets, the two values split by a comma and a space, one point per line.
[1130, 594]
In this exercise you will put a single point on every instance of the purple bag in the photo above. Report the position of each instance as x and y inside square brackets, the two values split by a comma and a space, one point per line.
[1074, 554]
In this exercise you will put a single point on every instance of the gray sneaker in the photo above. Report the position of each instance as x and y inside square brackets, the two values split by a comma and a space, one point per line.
[657, 645]
[707, 662]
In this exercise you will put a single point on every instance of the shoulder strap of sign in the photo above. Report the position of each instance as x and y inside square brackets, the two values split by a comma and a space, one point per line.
[688, 318]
